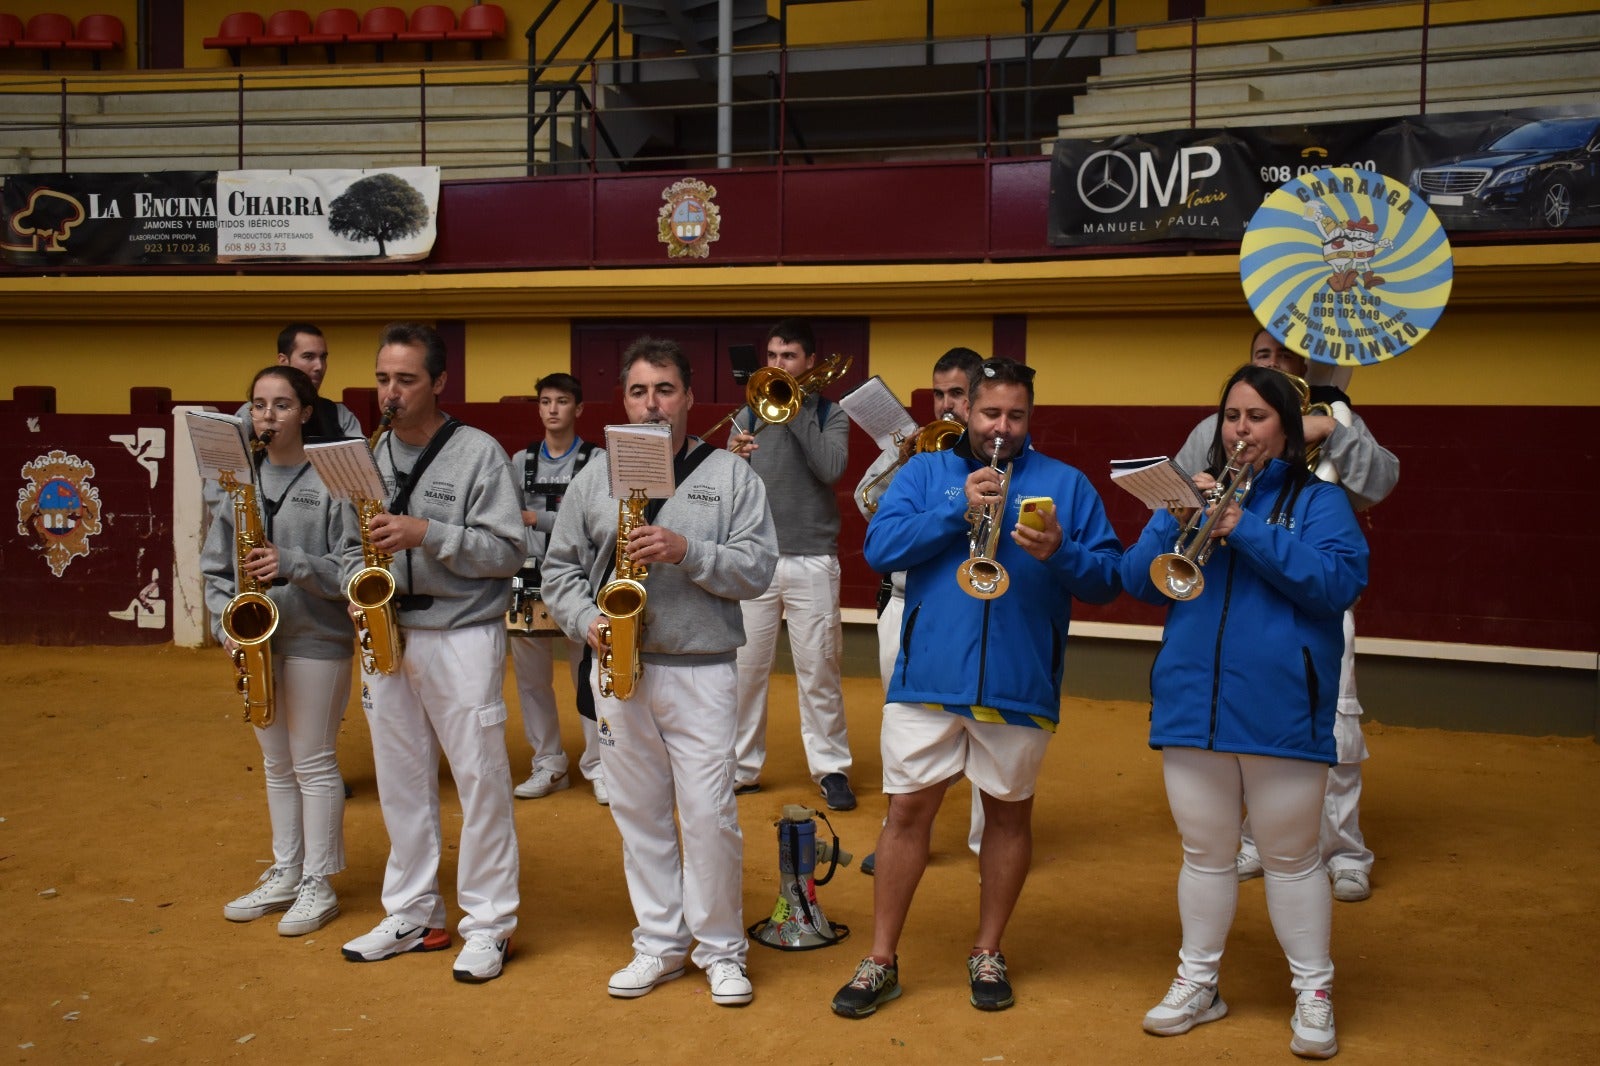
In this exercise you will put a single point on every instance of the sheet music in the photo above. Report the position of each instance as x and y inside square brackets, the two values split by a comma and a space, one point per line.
[347, 468]
[1158, 481]
[873, 407]
[640, 458]
[219, 445]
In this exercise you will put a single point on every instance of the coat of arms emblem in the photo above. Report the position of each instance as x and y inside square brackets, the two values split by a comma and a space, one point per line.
[60, 506]
[688, 222]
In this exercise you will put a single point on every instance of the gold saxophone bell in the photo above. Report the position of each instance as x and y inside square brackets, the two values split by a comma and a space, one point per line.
[982, 575]
[940, 435]
[250, 618]
[1179, 573]
[776, 397]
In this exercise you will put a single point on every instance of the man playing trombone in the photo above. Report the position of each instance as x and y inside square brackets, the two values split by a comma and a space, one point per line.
[976, 689]
[799, 462]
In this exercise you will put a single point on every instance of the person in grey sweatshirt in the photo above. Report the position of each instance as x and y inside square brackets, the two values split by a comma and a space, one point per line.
[453, 524]
[670, 743]
[799, 462]
[305, 530]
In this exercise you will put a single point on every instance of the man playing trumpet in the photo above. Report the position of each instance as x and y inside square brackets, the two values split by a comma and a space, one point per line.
[977, 684]
[670, 743]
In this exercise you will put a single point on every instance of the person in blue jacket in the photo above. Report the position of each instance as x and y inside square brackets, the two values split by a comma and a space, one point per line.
[976, 688]
[1243, 698]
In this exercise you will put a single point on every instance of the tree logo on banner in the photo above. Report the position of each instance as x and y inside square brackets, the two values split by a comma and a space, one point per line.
[50, 217]
[380, 207]
[60, 505]
[688, 222]
[1346, 266]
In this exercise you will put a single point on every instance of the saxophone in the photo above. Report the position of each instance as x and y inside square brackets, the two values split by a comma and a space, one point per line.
[250, 618]
[371, 589]
[622, 602]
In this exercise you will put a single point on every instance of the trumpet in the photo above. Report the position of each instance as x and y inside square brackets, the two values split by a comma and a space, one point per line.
[982, 575]
[1178, 573]
[776, 397]
[371, 589]
[939, 435]
[622, 602]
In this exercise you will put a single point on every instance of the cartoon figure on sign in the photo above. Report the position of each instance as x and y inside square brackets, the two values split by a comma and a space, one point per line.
[147, 608]
[59, 505]
[1348, 248]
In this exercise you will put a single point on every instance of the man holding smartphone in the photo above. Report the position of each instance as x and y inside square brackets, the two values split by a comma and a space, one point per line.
[976, 689]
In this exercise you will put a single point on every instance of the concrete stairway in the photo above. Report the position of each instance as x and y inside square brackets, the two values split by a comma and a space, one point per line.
[1471, 67]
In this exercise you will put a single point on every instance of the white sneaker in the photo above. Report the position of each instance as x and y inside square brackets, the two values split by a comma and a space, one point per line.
[1185, 1006]
[276, 891]
[1351, 886]
[482, 959]
[601, 796]
[730, 985]
[641, 975]
[395, 936]
[314, 907]
[541, 783]
[1313, 1025]
[1247, 864]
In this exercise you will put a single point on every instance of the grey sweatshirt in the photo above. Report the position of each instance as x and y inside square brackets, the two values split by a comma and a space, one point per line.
[310, 531]
[799, 463]
[545, 505]
[692, 614]
[474, 540]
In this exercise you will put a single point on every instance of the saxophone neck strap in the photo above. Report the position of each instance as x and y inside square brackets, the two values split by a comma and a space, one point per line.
[406, 482]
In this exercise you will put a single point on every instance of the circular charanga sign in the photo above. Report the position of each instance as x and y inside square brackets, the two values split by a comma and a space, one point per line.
[1346, 266]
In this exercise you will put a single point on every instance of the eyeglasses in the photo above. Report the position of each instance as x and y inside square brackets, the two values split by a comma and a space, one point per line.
[1020, 372]
[283, 407]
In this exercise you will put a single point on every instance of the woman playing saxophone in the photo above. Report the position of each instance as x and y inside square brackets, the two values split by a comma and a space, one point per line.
[297, 563]
[1243, 700]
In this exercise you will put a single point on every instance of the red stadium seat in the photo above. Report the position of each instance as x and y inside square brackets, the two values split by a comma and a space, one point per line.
[97, 34]
[379, 27]
[479, 23]
[10, 29]
[283, 31]
[429, 23]
[235, 32]
[333, 27]
[44, 34]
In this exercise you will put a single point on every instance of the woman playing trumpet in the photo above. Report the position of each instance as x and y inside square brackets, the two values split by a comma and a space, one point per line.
[1243, 696]
[305, 533]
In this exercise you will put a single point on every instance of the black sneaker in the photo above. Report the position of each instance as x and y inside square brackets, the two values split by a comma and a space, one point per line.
[873, 985]
[869, 865]
[836, 791]
[990, 989]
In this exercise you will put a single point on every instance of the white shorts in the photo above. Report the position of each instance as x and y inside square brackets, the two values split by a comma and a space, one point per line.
[922, 748]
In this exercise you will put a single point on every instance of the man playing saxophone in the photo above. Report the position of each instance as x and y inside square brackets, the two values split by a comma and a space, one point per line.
[976, 689]
[453, 527]
[671, 742]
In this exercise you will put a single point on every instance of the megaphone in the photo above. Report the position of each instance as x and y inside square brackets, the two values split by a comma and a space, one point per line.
[797, 922]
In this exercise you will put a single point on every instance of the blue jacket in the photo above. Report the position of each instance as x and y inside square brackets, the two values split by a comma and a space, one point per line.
[1003, 655]
[1251, 665]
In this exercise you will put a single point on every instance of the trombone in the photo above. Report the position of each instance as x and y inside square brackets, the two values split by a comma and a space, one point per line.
[776, 397]
[939, 435]
[982, 575]
[1178, 573]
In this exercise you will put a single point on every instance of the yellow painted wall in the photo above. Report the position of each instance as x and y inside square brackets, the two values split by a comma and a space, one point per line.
[506, 358]
[905, 349]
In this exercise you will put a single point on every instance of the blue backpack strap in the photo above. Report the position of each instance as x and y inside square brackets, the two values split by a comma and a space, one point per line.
[824, 405]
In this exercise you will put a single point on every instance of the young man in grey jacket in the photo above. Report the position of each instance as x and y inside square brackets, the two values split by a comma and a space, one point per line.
[670, 743]
[455, 543]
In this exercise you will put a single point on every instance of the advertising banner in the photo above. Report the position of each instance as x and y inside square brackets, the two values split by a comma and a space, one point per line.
[1536, 168]
[203, 217]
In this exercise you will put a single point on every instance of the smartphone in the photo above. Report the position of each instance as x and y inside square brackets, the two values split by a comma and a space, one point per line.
[1032, 511]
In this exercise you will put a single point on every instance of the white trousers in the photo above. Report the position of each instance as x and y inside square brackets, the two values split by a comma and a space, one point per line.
[671, 746]
[889, 624]
[1342, 845]
[1206, 791]
[305, 794]
[533, 660]
[805, 590]
[446, 694]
